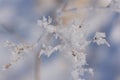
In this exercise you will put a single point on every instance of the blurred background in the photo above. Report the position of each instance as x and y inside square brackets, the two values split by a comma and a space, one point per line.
[18, 22]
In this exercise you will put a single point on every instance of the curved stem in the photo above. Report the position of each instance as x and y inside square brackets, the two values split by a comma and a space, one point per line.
[37, 67]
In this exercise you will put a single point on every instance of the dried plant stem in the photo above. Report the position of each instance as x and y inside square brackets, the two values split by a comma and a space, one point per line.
[37, 67]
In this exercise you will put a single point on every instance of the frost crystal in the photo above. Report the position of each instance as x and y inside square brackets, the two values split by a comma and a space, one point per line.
[44, 23]
[99, 38]
[48, 50]
[91, 71]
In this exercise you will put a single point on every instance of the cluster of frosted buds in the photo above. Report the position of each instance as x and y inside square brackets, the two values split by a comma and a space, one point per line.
[17, 52]
[99, 38]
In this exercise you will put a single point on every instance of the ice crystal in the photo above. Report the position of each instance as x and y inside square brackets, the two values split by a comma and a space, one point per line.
[99, 38]
[48, 50]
